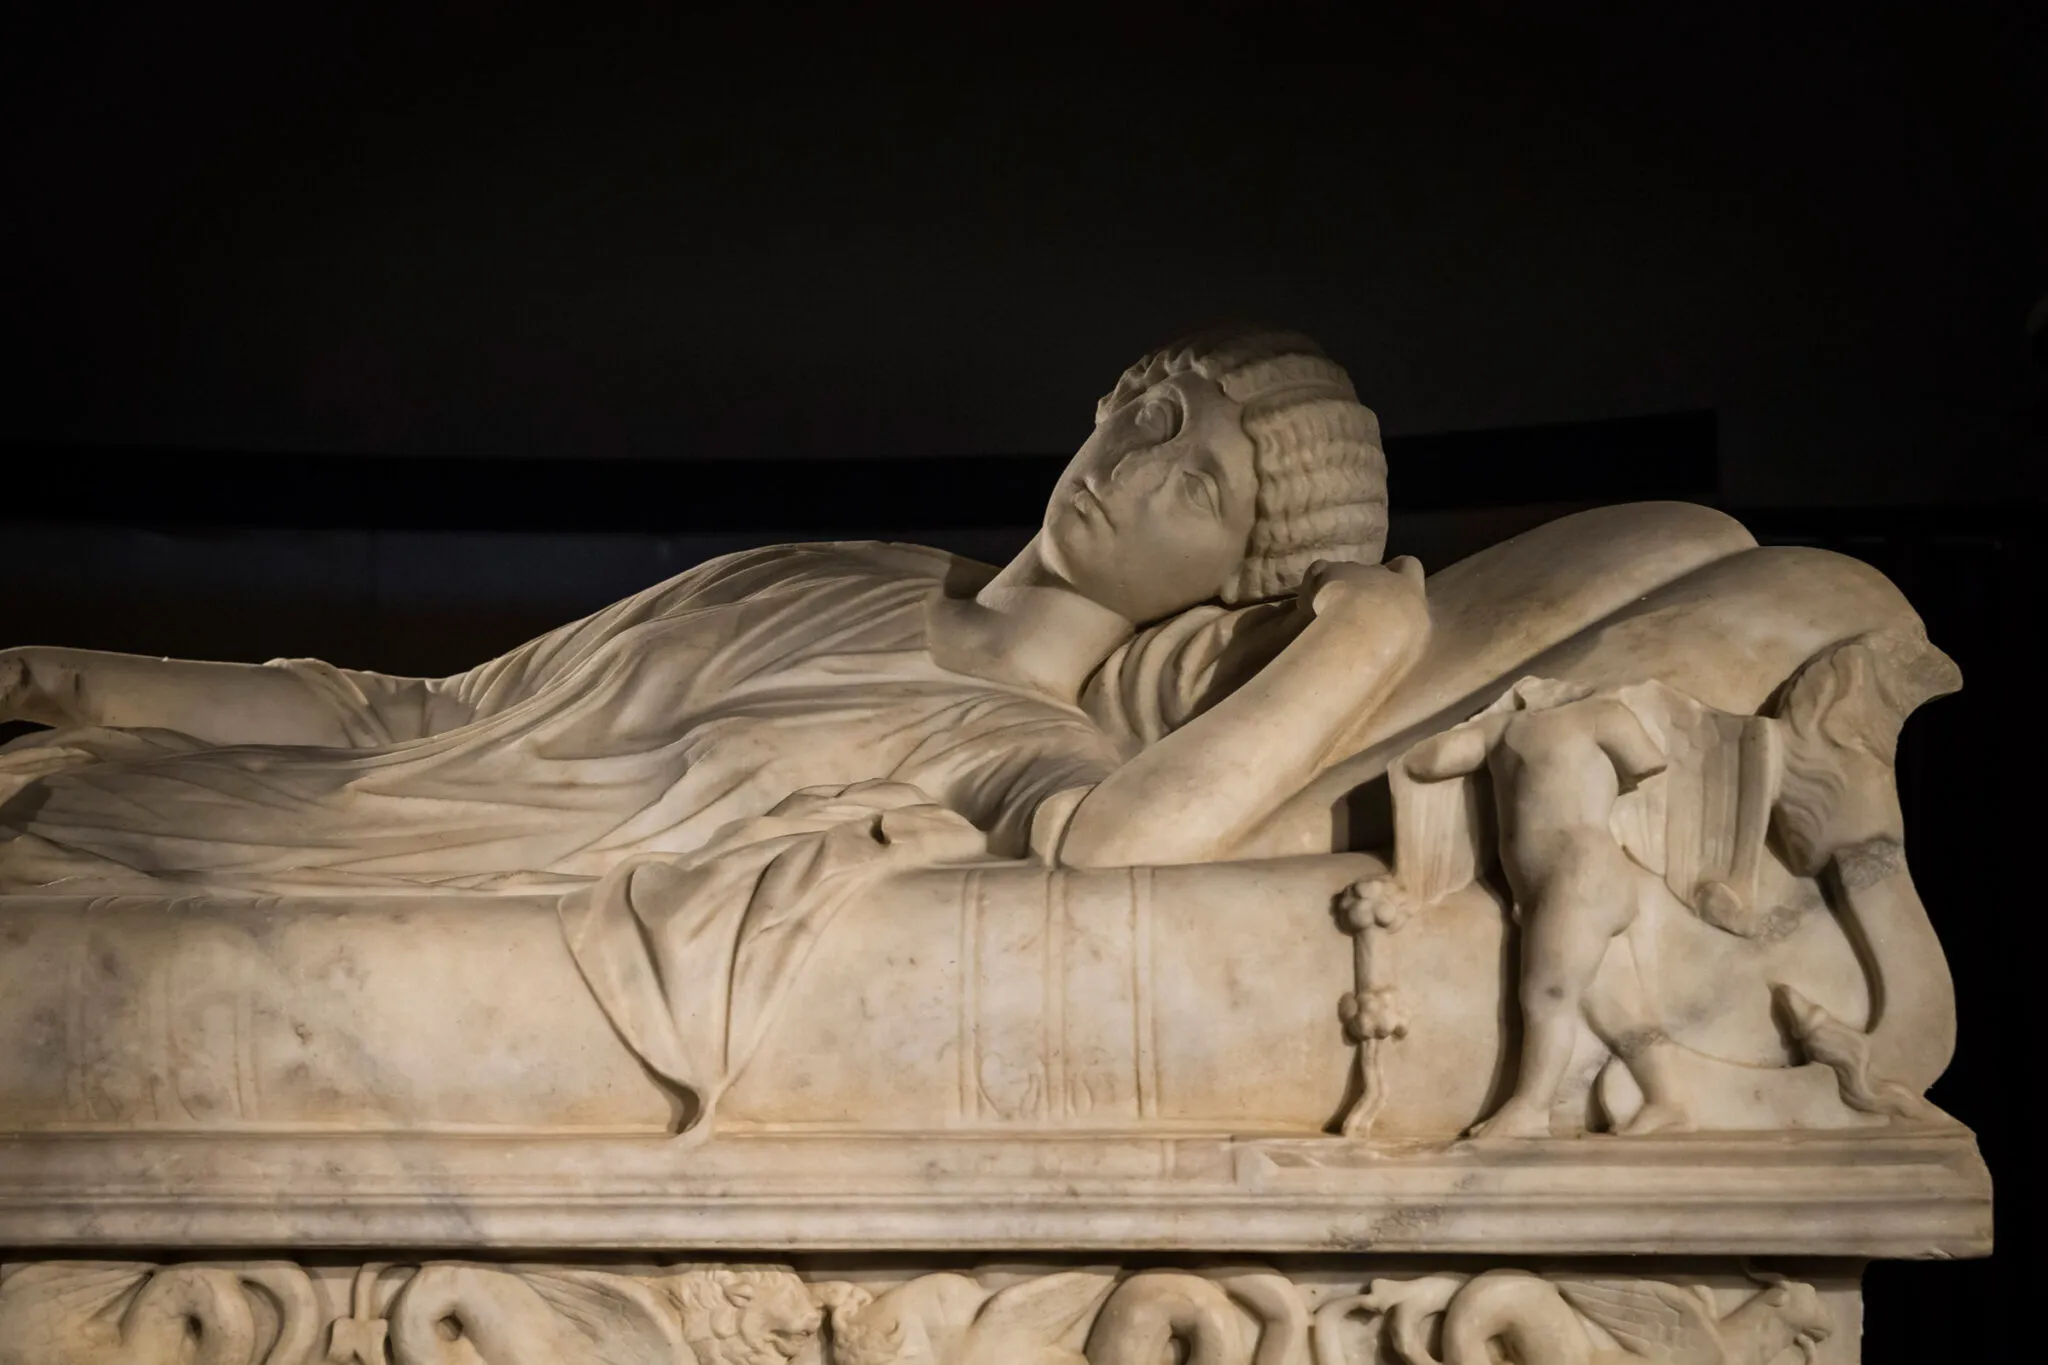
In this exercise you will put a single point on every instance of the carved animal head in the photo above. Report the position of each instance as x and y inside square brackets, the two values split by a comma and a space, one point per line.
[746, 1317]
[862, 1333]
[1840, 718]
[1799, 1310]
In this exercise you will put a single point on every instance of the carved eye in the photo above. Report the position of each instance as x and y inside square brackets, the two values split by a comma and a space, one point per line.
[1200, 489]
[1158, 419]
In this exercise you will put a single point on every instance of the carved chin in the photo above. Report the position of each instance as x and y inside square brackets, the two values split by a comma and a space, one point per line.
[1074, 542]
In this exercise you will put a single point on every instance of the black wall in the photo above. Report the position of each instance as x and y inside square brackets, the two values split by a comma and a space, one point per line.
[678, 238]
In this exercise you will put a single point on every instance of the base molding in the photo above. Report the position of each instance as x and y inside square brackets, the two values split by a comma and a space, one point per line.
[947, 1249]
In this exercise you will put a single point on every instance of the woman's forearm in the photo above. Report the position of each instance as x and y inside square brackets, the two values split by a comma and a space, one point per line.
[1195, 794]
[222, 703]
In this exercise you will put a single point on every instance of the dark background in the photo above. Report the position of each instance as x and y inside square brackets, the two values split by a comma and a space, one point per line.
[397, 340]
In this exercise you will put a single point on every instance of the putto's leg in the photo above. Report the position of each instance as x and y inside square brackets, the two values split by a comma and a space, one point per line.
[1652, 1062]
[1565, 934]
[1567, 928]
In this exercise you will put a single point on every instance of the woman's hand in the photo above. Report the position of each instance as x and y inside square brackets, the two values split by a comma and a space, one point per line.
[1195, 795]
[1381, 597]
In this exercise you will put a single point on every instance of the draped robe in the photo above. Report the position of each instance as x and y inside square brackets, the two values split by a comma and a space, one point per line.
[706, 772]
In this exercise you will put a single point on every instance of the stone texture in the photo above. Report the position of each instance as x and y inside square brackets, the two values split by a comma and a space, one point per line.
[441, 1312]
[1191, 888]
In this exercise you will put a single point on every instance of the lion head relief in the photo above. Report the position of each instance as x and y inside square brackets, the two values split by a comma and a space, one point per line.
[744, 1315]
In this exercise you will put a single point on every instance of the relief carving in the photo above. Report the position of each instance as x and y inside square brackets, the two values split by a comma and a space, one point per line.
[1621, 811]
[1197, 665]
[110, 1313]
[451, 1313]
[1535, 1321]
[1371, 911]
[459, 1313]
[853, 898]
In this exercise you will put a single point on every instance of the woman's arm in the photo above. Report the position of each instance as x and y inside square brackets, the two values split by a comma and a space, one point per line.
[1192, 796]
[221, 703]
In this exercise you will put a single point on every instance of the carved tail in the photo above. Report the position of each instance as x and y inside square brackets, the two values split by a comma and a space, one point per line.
[185, 1302]
[1913, 1036]
[1837, 815]
[1526, 1315]
[460, 1315]
[1283, 1317]
[1887, 1069]
[1148, 1313]
[299, 1315]
[1407, 1308]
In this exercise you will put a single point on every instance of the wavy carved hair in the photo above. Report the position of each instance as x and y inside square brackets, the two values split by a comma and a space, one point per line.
[1853, 696]
[730, 1314]
[1322, 476]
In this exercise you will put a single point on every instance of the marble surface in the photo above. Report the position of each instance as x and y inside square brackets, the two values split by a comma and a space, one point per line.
[1385, 1312]
[1193, 886]
[1923, 1193]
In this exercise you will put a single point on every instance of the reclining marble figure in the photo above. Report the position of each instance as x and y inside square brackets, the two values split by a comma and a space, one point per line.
[842, 899]
[1198, 660]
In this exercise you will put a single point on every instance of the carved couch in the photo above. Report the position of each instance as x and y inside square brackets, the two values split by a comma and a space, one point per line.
[1005, 998]
[994, 1061]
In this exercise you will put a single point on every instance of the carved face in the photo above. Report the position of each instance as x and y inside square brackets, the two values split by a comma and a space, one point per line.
[1154, 512]
[1803, 1310]
[747, 1317]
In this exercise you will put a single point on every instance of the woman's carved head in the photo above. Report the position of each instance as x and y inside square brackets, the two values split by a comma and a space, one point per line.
[1222, 465]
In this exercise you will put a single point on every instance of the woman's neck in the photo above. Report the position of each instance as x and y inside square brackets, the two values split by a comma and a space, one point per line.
[1027, 627]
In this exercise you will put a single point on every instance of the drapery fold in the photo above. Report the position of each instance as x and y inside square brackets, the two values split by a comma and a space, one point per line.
[691, 956]
[643, 729]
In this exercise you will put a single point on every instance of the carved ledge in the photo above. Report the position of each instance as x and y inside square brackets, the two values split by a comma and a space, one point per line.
[1905, 1193]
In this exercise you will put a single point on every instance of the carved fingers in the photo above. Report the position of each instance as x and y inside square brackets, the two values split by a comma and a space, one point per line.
[1458, 751]
[1386, 596]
